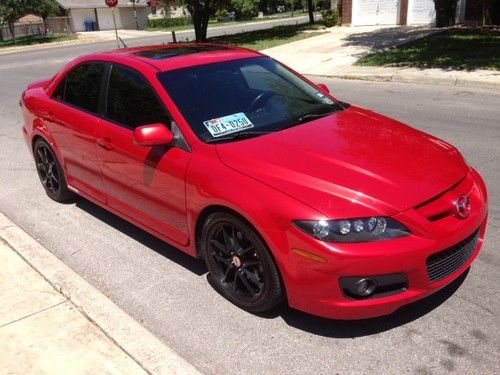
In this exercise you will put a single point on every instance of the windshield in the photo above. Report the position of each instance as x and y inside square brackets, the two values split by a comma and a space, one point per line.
[249, 97]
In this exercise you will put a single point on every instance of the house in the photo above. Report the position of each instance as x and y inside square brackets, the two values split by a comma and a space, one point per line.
[128, 15]
[393, 12]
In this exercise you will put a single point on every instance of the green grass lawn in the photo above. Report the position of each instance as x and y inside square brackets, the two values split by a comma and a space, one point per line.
[262, 39]
[28, 40]
[215, 23]
[462, 49]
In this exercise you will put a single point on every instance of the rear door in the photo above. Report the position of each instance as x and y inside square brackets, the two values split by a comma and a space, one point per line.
[145, 183]
[73, 121]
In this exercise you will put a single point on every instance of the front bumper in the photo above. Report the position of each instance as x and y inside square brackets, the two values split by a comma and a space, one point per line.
[313, 284]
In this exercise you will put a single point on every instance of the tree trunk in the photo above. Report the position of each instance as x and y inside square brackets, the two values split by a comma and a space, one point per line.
[445, 12]
[200, 14]
[12, 29]
[310, 9]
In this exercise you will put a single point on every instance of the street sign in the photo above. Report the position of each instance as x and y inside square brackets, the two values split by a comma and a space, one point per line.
[111, 3]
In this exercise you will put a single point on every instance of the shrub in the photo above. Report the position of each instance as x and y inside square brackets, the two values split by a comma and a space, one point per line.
[331, 18]
[245, 9]
[168, 22]
[220, 14]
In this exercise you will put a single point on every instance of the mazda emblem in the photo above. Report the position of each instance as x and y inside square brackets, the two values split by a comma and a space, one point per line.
[463, 207]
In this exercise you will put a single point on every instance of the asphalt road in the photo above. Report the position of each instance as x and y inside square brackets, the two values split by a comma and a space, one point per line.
[457, 329]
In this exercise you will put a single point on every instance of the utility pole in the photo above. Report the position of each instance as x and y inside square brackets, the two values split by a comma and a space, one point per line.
[135, 16]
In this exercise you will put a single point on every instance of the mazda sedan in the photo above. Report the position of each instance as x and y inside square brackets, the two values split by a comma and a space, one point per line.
[287, 193]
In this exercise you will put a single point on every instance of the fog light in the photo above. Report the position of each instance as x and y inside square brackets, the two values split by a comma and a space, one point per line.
[363, 287]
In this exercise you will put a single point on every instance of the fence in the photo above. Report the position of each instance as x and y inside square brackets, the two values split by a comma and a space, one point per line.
[51, 25]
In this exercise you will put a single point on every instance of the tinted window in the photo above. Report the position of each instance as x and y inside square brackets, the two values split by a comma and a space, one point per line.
[83, 85]
[131, 100]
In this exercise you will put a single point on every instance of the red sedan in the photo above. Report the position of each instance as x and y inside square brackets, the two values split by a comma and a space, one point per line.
[284, 191]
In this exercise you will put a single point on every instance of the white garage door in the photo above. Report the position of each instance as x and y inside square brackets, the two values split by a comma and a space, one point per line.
[106, 18]
[421, 12]
[375, 12]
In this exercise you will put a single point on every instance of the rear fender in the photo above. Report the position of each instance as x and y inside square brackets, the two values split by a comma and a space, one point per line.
[40, 130]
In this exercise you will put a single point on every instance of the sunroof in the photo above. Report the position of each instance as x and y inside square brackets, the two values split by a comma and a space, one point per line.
[165, 53]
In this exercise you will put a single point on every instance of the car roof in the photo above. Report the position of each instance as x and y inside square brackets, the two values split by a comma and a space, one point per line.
[177, 55]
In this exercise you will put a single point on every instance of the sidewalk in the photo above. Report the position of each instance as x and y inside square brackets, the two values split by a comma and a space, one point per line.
[54, 322]
[333, 55]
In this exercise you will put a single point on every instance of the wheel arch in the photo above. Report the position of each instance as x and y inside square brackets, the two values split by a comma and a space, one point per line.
[207, 211]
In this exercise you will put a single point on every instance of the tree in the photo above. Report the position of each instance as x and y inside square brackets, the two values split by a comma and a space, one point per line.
[310, 10]
[12, 10]
[445, 12]
[200, 11]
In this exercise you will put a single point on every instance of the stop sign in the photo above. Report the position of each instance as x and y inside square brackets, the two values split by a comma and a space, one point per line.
[111, 3]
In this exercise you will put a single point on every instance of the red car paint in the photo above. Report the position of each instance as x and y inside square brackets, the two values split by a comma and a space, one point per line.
[381, 168]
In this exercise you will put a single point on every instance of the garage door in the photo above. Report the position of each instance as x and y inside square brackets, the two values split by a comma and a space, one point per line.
[421, 12]
[375, 12]
[105, 16]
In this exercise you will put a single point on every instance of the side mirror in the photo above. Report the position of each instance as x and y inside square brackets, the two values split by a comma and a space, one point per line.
[323, 88]
[153, 135]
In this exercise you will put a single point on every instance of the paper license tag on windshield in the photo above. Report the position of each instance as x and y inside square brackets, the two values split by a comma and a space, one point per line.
[228, 124]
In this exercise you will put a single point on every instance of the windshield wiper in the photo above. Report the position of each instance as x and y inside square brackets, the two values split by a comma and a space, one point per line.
[238, 136]
[308, 117]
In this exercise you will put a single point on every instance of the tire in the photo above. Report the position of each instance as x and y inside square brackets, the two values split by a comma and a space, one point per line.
[240, 265]
[51, 173]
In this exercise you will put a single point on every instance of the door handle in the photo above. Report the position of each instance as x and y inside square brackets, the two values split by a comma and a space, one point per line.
[106, 144]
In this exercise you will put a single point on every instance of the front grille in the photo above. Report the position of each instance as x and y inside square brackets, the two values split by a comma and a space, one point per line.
[446, 262]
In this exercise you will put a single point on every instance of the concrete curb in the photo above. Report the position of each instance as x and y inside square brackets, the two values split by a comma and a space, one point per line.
[142, 346]
[418, 79]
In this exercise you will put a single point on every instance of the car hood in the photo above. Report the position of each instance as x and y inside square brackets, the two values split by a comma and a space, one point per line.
[352, 163]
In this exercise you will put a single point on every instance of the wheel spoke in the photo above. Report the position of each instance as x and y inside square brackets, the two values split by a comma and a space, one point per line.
[250, 263]
[41, 166]
[235, 278]
[45, 154]
[221, 258]
[228, 271]
[247, 284]
[227, 239]
[41, 155]
[219, 246]
[54, 177]
[242, 252]
[254, 278]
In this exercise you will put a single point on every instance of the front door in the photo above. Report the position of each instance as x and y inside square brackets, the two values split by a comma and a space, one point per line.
[146, 184]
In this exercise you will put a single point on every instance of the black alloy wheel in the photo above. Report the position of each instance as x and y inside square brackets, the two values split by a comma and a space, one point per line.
[239, 263]
[50, 172]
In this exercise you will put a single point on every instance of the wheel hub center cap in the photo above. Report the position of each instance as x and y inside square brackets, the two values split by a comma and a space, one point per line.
[236, 261]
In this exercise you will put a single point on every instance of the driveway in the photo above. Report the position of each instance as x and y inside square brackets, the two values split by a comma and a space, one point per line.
[342, 46]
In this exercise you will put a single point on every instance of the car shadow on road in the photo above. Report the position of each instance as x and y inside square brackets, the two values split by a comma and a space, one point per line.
[194, 265]
[358, 328]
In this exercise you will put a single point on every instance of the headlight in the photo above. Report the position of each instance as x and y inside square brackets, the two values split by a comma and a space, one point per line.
[354, 230]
